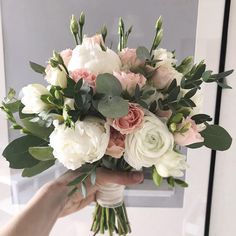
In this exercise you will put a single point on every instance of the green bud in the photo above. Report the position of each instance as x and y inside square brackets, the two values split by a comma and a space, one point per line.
[173, 127]
[57, 94]
[74, 27]
[159, 23]
[121, 24]
[57, 57]
[53, 63]
[129, 30]
[158, 38]
[82, 19]
[104, 31]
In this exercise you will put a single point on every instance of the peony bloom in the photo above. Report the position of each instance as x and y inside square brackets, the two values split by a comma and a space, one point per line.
[32, 99]
[164, 75]
[145, 146]
[171, 164]
[116, 144]
[131, 122]
[164, 57]
[129, 59]
[66, 56]
[190, 136]
[91, 57]
[56, 77]
[85, 143]
[130, 80]
[84, 74]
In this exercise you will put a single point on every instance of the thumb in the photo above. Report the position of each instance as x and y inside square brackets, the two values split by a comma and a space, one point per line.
[105, 176]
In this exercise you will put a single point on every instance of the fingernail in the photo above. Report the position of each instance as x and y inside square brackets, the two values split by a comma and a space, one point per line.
[137, 176]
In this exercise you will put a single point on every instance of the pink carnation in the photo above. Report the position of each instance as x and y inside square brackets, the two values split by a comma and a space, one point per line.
[131, 122]
[129, 58]
[66, 55]
[87, 76]
[191, 136]
[130, 80]
[116, 144]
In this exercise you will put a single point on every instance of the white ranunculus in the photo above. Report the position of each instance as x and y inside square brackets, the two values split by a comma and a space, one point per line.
[164, 56]
[85, 143]
[171, 164]
[94, 59]
[145, 146]
[31, 98]
[56, 77]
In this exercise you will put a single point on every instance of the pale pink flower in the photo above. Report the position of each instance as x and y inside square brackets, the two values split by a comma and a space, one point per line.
[84, 74]
[131, 122]
[190, 136]
[130, 80]
[129, 59]
[116, 144]
[95, 39]
[164, 114]
[66, 55]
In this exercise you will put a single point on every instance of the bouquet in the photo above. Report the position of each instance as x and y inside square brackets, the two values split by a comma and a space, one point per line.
[125, 110]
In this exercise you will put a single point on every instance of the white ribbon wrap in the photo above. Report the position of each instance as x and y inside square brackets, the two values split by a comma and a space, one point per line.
[110, 195]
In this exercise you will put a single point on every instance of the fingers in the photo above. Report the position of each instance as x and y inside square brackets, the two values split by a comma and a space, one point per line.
[119, 177]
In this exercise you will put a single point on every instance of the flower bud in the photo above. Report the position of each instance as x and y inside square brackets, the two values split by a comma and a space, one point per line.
[53, 63]
[57, 57]
[158, 38]
[159, 23]
[74, 27]
[82, 19]
[172, 127]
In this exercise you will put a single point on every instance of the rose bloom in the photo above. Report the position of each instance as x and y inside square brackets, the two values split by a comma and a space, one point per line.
[84, 74]
[163, 57]
[31, 98]
[190, 136]
[130, 80]
[86, 142]
[91, 57]
[164, 75]
[131, 122]
[66, 55]
[116, 145]
[129, 59]
[171, 164]
[145, 146]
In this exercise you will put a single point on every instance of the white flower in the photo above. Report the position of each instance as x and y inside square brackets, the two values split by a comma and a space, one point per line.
[145, 146]
[164, 56]
[94, 59]
[31, 98]
[56, 77]
[171, 164]
[86, 142]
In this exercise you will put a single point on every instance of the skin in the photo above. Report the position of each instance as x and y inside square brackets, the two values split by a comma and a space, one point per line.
[52, 202]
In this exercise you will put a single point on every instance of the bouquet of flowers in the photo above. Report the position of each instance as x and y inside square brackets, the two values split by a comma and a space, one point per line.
[124, 110]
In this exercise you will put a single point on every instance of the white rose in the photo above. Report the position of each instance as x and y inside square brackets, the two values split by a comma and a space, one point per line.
[56, 77]
[94, 59]
[31, 98]
[164, 56]
[86, 142]
[145, 146]
[171, 164]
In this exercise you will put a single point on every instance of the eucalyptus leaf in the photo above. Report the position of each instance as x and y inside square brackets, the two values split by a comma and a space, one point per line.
[196, 145]
[78, 180]
[38, 168]
[201, 118]
[37, 68]
[42, 153]
[143, 53]
[157, 179]
[171, 181]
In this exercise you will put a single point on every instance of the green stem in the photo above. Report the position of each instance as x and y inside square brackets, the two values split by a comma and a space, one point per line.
[109, 221]
[76, 39]
[102, 222]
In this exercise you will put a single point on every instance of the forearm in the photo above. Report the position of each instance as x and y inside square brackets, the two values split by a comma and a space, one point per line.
[40, 214]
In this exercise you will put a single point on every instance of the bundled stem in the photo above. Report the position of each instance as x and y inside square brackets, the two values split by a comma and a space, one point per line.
[110, 219]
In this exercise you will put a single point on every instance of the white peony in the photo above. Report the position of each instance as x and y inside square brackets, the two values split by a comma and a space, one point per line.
[164, 56]
[31, 98]
[145, 146]
[94, 59]
[171, 164]
[56, 77]
[86, 142]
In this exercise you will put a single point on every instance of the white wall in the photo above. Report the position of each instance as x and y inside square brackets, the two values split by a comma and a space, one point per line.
[224, 194]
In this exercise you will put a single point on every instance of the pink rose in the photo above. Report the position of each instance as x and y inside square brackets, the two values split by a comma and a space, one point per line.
[129, 59]
[116, 144]
[190, 136]
[87, 76]
[66, 55]
[130, 80]
[164, 75]
[96, 39]
[131, 122]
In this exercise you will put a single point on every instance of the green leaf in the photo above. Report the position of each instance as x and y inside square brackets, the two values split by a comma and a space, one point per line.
[37, 68]
[222, 75]
[199, 72]
[42, 153]
[172, 86]
[17, 153]
[78, 180]
[108, 84]
[171, 181]
[38, 168]
[113, 107]
[216, 138]
[157, 179]
[177, 118]
[201, 118]
[223, 85]
[11, 94]
[143, 53]
[83, 190]
[13, 106]
[190, 93]
[181, 183]
[69, 91]
[93, 177]
[195, 145]
[37, 129]
[173, 94]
